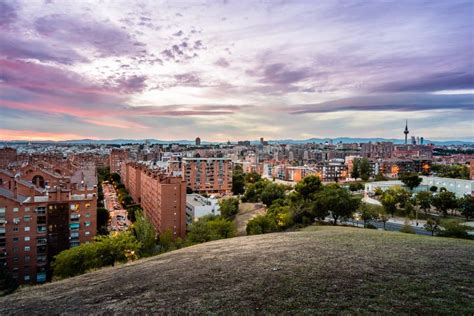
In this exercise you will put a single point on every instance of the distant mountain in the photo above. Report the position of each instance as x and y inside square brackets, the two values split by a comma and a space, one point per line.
[336, 140]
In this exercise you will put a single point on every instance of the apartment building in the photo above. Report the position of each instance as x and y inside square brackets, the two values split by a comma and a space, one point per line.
[116, 158]
[162, 196]
[208, 175]
[37, 223]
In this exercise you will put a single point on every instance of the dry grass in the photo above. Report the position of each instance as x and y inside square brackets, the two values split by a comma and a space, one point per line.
[322, 270]
[247, 211]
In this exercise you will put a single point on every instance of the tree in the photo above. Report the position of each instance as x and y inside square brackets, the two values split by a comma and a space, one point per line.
[211, 228]
[7, 283]
[389, 203]
[411, 180]
[272, 192]
[383, 217]
[433, 188]
[308, 186]
[365, 169]
[432, 225]
[229, 207]
[103, 216]
[369, 213]
[261, 224]
[380, 177]
[115, 177]
[145, 233]
[356, 186]
[466, 206]
[252, 177]
[238, 183]
[166, 241]
[336, 201]
[106, 250]
[445, 201]
[423, 200]
[454, 229]
[355, 169]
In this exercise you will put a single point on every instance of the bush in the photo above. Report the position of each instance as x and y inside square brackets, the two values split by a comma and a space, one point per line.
[211, 228]
[370, 226]
[229, 207]
[406, 228]
[454, 229]
[261, 224]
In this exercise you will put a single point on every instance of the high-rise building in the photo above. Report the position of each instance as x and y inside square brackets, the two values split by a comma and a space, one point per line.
[406, 133]
[208, 175]
[117, 157]
[37, 223]
[198, 141]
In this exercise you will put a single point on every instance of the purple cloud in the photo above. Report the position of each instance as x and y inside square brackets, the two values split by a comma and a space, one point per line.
[222, 62]
[390, 102]
[107, 39]
[8, 14]
[13, 47]
[435, 82]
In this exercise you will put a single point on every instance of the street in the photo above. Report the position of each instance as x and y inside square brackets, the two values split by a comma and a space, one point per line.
[118, 215]
[390, 225]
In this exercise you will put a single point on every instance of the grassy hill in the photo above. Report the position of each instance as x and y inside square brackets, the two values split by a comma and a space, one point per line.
[317, 271]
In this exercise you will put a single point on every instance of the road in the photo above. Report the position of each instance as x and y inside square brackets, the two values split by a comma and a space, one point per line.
[390, 225]
[118, 215]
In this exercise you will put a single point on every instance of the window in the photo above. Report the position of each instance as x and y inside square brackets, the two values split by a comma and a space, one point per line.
[26, 218]
[87, 233]
[27, 258]
[27, 248]
[88, 214]
[15, 209]
[15, 249]
[87, 224]
[88, 205]
[27, 228]
[15, 239]
[27, 277]
[15, 229]
[16, 220]
[27, 209]
[27, 238]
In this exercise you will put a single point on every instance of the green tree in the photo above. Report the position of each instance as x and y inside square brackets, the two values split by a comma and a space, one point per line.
[389, 203]
[433, 188]
[238, 183]
[423, 200]
[454, 229]
[308, 186]
[466, 206]
[115, 177]
[106, 250]
[199, 231]
[432, 225]
[221, 228]
[411, 180]
[261, 224]
[336, 201]
[103, 216]
[356, 186]
[383, 216]
[445, 201]
[145, 233]
[355, 172]
[272, 192]
[369, 212]
[380, 177]
[252, 177]
[365, 169]
[229, 207]
[166, 241]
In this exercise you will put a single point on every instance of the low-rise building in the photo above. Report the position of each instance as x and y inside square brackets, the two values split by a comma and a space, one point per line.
[198, 206]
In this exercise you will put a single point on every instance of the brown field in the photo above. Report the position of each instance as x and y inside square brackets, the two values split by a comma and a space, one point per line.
[321, 270]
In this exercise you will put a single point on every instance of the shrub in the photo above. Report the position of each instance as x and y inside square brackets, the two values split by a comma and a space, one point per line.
[261, 224]
[406, 228]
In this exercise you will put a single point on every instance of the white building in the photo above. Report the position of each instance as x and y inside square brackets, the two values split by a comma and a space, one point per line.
[460, 187]
[198, 206]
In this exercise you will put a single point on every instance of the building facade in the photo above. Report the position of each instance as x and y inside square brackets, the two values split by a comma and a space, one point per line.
[208, 175]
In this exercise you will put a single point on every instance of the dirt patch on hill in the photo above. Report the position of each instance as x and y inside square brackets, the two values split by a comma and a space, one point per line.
[247, 211]
[327, 271]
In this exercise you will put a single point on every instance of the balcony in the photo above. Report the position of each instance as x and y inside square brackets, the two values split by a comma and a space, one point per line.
[41, 241]
[74, 226]
[41, 250]
[41, 229]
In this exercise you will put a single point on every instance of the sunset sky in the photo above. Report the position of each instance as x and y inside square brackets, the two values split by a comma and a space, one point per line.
[236, 70]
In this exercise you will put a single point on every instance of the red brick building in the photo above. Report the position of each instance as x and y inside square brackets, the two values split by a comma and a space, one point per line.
[161, 196]
[116, 158]
[208, 175]
[36, 224]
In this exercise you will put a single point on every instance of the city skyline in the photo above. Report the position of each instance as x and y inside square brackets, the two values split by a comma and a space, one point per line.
[233, 70]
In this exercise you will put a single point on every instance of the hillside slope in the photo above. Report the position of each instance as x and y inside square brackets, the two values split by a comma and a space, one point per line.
[326, 270]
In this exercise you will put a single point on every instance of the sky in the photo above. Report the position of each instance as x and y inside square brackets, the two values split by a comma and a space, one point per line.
[236, 70]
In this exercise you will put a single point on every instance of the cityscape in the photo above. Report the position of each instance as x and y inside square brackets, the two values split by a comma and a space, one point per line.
[224, 157]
